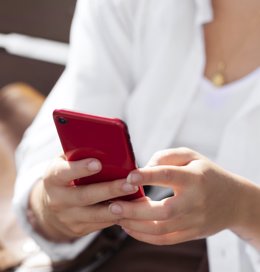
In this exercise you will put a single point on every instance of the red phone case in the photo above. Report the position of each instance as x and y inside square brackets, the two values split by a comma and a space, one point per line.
[90, 136]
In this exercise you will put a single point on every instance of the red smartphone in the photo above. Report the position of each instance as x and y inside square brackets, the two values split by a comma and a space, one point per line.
[106, 139]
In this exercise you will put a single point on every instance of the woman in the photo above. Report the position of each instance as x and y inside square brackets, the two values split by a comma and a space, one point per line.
[180, 74]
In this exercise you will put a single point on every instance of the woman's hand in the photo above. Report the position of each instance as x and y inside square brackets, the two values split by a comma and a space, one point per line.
[207, 199]
[62, 212]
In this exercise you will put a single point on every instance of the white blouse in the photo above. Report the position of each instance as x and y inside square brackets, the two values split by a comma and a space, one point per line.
[143, 61]
[212, 108]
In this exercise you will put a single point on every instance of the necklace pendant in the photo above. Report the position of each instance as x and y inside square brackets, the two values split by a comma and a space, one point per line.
[218, 79]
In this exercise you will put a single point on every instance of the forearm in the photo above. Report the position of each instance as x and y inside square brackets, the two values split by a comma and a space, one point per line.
[247, 225]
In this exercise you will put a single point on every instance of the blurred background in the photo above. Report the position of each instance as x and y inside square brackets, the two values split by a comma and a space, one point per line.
[46, 19]
[34, 37]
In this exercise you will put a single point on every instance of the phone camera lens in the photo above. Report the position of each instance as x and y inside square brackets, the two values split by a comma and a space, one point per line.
[62, 120]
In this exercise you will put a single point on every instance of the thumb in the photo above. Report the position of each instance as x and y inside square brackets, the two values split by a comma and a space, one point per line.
[62, 172]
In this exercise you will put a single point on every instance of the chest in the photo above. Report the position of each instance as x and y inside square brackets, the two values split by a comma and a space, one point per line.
[210, 112]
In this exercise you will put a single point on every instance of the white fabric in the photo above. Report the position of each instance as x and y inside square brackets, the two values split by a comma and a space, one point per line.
[211, 110]
[142, 61]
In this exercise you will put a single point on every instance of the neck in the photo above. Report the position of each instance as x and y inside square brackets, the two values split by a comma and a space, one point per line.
[232, 40]
[242, 9]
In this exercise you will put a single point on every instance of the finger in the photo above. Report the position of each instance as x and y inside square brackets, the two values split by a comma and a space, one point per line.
[96, 193]
[157, 227]
[80, 230]
[175, 156]
[87, 215]
[62, 172]
[166, 239]
[149, 210]
[76, 229]
[166, 176]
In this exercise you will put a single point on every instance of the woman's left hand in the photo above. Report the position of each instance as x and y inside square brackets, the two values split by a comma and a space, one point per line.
[205, 200]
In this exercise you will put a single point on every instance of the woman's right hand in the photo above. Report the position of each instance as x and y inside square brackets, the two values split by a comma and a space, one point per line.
[62, 212]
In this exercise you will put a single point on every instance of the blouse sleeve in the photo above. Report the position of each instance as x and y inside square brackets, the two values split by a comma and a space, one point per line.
[97, 80]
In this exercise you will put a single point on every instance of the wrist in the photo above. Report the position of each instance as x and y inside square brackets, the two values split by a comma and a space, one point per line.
[247, 222]
[39, 218]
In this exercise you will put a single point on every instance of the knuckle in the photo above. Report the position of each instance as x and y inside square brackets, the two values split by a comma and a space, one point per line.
[53, 173]
[189, 153]
[47, 177]
[168, 174]
[157, 157]
[52, 200]
[83, 196]
[158, 154]
[99, 216]
[185, 150]
[114, 189]
[57, 174]
[77, 230]
[201, 175]
[64, 220]
[54, 205]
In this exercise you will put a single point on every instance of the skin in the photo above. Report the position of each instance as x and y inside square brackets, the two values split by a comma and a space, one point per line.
[233, 37]
[207, 198]
[62, 212]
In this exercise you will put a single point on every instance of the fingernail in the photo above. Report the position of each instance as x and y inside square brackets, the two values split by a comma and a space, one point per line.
[134, 178]
[94, 166]
[129, 188]
[116, 209]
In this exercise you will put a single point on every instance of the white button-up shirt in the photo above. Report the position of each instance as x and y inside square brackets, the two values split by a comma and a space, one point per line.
[142, 61]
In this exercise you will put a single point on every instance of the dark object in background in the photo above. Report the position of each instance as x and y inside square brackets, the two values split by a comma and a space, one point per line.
[44, 19]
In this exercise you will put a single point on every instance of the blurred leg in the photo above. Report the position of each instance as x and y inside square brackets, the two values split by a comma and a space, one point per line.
[19, 104]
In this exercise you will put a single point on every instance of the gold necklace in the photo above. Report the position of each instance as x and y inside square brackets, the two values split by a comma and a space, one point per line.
[218, 78]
